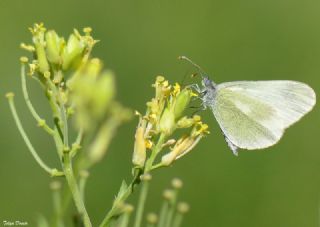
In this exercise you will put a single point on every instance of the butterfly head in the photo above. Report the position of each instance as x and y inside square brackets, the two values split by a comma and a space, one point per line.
[207, 83]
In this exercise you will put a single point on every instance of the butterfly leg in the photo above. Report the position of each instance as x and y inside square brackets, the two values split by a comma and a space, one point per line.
[196, 88]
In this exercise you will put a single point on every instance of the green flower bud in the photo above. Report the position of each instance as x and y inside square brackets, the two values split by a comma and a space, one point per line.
[72, 52]
[103, 93]
[128, 208]
[167, 122]
[54, 44]
[94, 67]
[183, 207]
[91, 70]
[26, 47]
[185, 122]
[176, 183]
[181, 102]
[168, 194]
[38, 39]
[42, 58]
[146, 177]
[152, 218]
[92, 95]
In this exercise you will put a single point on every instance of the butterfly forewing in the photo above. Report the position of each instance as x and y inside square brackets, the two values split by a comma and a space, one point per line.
[254, 114]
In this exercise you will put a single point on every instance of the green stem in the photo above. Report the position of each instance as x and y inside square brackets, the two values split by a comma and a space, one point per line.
[125, 218]
[77, 144]
[141, 203]
[114, 210]
[66, 198]
[177, 220]
[71, 180]
[157, 166]
[171, 210]
[163, 213]
[52, 94]
[82, 182]
[41, 122]
[154, 153]
[52, 172]
[58, 142]
[65, 125]
[57, 221]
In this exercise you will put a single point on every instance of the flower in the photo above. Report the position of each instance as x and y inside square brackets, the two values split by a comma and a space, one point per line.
[185, 144]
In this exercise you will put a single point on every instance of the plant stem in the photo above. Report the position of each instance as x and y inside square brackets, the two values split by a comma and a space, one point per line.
[52, 172]
[34, 113]
[77, 144]
[154, 153]
[125, 218]
[141, 203]
[83, 176]
[171, 210]
[177, 220]
[113, 211]
[58, 142]
[51, 94]
[71, 180]
[163, 213]
[56, 188]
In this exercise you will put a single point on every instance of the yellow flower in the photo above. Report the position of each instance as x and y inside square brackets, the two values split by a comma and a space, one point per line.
[186, 143]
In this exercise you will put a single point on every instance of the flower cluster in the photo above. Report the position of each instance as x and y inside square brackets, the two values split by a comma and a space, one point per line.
[164, 115]
[75, 85]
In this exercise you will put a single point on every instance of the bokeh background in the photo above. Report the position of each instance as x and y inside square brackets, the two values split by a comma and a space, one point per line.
[231, 40]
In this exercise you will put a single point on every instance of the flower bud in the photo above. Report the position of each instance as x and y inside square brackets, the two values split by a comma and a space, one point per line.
[167, 122]
[183, 207]
[92, 95]
[72, 52]
[181, 102]
[152, 218]
[168, 194]
[26, 47]
[38, 39]
[24, 60]
[54, 45]
[94, 67]
[139, 153]
[146, 177]
[185, 122]
[176, 183]
[41, 57]
[91, 70]
[128, 208]
[103, 93]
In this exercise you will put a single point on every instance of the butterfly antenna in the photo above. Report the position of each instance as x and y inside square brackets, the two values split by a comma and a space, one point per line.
[202, 72]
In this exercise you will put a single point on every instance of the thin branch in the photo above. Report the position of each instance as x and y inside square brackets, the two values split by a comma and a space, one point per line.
[41, 121]
[52, 172]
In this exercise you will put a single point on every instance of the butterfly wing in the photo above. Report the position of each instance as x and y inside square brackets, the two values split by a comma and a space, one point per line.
[254, 114]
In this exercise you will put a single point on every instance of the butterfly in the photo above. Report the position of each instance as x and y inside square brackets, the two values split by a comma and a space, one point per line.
[254, 114]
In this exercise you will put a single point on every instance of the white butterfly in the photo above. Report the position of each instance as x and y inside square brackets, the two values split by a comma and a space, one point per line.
[254, 114]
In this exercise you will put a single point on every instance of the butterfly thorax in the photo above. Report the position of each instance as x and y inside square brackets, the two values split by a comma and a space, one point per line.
[208, 92]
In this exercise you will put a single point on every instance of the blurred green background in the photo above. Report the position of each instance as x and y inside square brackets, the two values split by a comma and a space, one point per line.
[231, 40]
